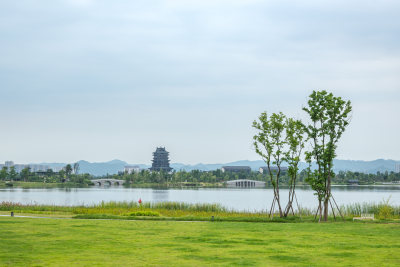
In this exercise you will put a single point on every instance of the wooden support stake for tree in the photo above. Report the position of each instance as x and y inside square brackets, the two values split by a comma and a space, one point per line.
[298, 207]
[333, 210]
[272, 207]
[315, 217]
[338, 207]
[292, 209]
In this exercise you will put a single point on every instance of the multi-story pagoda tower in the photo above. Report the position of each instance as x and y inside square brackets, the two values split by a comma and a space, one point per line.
[160, 160]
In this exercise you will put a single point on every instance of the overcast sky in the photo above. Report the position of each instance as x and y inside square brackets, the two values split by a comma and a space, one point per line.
[99, 80]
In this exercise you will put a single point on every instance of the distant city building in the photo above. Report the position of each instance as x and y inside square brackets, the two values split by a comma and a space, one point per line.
[38, 167]
[397, 168]
[8, 164]
[160, 160]
[131, 169]
[236, 169]
[264, 170]
[20, 167]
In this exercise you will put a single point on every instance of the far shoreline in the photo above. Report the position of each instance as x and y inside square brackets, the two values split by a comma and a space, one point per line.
[41, 185]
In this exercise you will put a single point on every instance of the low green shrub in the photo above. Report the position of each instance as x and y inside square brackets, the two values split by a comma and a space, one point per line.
[385, 210]
[143, 213]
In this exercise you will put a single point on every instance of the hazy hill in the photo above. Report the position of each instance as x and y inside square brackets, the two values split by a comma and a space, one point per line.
[95, 168]
[114, 166]
[374, 166]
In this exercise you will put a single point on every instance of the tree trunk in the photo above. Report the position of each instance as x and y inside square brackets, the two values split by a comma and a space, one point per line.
[290, 201]
[326, 208]
[320, 210]
[280, 209]
[278, 200]
[327, 197]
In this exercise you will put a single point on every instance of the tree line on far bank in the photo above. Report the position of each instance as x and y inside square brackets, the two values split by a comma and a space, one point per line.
[68, 174]
[194, 176]
[217, 176]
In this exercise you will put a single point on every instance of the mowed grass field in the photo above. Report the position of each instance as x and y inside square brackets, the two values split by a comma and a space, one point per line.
[82, 242]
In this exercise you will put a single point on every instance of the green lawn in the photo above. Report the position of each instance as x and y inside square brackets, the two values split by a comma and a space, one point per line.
[74, 242]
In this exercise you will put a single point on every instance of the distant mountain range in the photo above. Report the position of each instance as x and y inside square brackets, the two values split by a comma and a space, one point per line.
[114, 166]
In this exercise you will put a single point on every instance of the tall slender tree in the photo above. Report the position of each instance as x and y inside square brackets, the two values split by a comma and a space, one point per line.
[12, 174]
[269, 143]
[76, 167]
[61, 174]
[329, 116]
[3, 173]
[68, 170]
[25, 173]
[295, 139]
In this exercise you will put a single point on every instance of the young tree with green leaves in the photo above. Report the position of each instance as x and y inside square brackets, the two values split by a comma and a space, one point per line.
[3, 173]
[295, 139]
[12, 174]
[68, 171]
[76, 167]
[49, 172]
[25, 173]
[269, 143]
[61, 174]
[329, 117]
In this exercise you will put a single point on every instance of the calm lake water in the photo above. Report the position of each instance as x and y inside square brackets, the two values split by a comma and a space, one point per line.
[238, 199]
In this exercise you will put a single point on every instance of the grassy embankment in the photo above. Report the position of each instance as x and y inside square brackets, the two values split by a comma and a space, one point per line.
[190, 212]
[50, 242]
[21, 184]
[27, 185]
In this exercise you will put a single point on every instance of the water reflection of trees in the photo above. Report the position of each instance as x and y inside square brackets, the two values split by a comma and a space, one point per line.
[366, 188]
[160, 195]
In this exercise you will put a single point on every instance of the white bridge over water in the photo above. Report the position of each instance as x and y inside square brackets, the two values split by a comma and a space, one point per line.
[245, 183]
[105, 181]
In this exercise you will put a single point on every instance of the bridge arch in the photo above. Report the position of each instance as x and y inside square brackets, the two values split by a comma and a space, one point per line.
[108, 182]
[245, 183]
